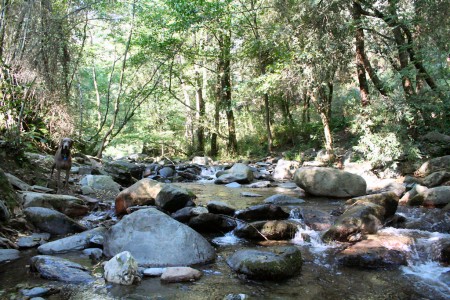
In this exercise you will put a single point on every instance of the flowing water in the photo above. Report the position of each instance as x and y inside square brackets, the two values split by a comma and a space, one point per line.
[321, 277]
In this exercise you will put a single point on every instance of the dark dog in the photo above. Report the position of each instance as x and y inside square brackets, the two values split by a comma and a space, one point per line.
[63, 161]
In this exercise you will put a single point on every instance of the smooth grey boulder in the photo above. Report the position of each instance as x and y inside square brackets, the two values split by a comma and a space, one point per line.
[388, 200]
[100, 182]
[72, 243]
[435, 165]
[180, 274]
[218, 207]
[36, 239]
[280, 199]
[270, 264]
[239, 173]
[18, 183]
[122, 269]
[285, 169]
[60, 269]
[436, 179]
[154, 239]
[52, 221]
[330, 182]
[68, 205]
[437, 197]
[7, 255]
[124, 172]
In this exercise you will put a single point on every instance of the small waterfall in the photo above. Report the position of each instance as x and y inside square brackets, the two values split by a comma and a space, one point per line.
[423, 258]
[228, 239]
[208, 174]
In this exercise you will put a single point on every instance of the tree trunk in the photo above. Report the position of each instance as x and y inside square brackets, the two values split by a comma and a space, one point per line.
[200, 113]
[359, 47]
[4, 17]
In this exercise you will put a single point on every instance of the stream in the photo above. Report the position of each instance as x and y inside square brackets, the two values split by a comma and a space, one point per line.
[321, 277]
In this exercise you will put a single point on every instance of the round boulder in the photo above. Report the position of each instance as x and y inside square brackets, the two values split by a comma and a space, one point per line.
[155, 239]
[330, 182]
[272, 264]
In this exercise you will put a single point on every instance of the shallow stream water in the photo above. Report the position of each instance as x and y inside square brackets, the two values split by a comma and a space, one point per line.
[321, 277]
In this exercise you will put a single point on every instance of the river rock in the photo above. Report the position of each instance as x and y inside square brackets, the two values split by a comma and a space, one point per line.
[180, 274]
[365, 218]
[36, 239]
[154, 272]
[166, 172]
[434, 165]
[52, 221]
[122, 269]
[7, 255]
[259, 184]
[285, 169]
[72, 243]
[94, 253]
[239, 173]
[202, 160]
[124, 172]
[270, 264]
[155, 239]
[417, 189]
[60, 269]
[37, 292]
[280, 199]
[377, 252]
[315, 219]
[271, 230]
[150, 192]
[68, 205]
[211, 223]
[330, 182]
[437, 197]
[100, 183]
[436, 179]
[262, 212]
[8, 198]
[388, 200]
[218, 207]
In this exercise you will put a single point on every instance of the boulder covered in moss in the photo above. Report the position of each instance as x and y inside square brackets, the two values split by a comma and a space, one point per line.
[9, 201]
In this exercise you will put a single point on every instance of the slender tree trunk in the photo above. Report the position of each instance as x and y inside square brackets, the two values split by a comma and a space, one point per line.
[359, 47]
[217, 105]
[4, 17]
[200, 113]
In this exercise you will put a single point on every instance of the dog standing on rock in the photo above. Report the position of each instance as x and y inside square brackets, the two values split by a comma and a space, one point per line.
[62, 161]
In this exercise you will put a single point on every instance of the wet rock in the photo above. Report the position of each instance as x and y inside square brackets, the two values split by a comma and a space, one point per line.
[37, 292]
[100, 183]
[270, 264]
[259, 184]
[151, 192]
[250, 194]
[154, 272]
[434, 165]
[436, 179]
[94, 253]
[388, 200]
[72, 243]
[122, 269]
[235, 297]
[68, 205]
[124, 172]
[262, 212]
[382, 252]
[417, 189]
[7, 255]
[36, 239]
[436, 197]
[280, 199]
[60, 269]
[166, 172]
[52, 221]
[217, 207]
[8, 198]
[363, 218]
[239, 173]
[285, 169]
[180, 274]
[233, 185]
[271, 230]
[330, 182]
[17, 183]
[315, 219]
[155, 239]
[426, 219]
[208, 222]
[445, 253]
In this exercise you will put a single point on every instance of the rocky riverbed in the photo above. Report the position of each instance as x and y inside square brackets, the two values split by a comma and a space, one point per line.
[141, 229]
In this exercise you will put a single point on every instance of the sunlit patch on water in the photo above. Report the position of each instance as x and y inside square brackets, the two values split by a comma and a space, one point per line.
[227, 240]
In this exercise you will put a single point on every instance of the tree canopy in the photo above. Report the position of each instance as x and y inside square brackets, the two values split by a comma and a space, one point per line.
[225, 77]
